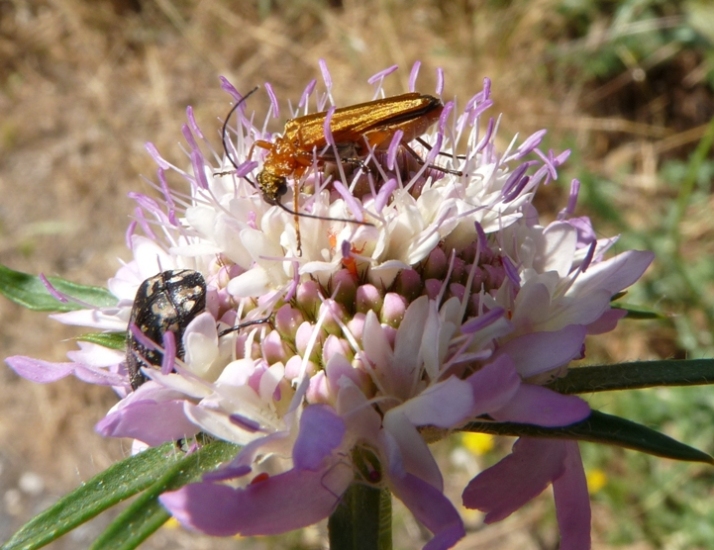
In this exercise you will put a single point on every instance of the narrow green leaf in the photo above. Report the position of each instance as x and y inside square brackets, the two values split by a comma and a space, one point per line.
[603, 428]
[639, 312]
[111, 340]
[116, 483]
[145, 515]
[636, 375]
[28, 291]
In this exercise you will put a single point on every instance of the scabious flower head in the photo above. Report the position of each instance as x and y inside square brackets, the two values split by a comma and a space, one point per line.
[447, 301]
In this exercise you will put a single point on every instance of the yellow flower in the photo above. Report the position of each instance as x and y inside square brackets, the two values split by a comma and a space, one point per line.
[597, 479]
[477, 443]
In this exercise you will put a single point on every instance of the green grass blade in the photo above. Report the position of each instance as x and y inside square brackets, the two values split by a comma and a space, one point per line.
[603, 428]
[116, 483]
[636, 375]
[146, 515]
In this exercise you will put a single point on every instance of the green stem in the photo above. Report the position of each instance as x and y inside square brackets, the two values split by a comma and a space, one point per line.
[363, 519]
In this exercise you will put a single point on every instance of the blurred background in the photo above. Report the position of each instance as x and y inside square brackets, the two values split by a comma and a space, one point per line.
[628, 86]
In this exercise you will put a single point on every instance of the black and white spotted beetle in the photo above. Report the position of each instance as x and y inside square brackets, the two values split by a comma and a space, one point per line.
[166, 302]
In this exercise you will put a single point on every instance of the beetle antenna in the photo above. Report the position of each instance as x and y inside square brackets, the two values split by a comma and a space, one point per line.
[316, 217]
[224, 131]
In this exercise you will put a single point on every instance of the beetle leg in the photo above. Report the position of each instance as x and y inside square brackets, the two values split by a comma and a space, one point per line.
[241, 326]
[296, 216]
[420, 160]
[424, 144]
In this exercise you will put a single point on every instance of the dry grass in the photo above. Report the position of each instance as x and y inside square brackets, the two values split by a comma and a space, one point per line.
[86, 84]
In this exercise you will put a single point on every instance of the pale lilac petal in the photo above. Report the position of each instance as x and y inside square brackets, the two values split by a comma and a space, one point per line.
[363, 421]
[339, 367]
[43, 372]
[408, 451]
[614, 274]
[537, 352]
[200, 343]
[572, 502]
[221, 425]
[560, 240]
[524, 474]
[95, 318]
[251, 283]
[584, 227]
[149, 421]
[542, 407]
[607, 321]
[99, 376]
[38, 371]
[279, 504]
[494, 385]
[407, 353]
[321, 432]
[96, 355]
[444, 405]
[476, 324]
[374, 341]
[431, 508]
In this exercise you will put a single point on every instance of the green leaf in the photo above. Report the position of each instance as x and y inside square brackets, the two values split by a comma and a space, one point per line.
[636, 375]
[116, 483]
[639, 312]
[602, 428]
[146, 515]
[28, 291]
[111, 340]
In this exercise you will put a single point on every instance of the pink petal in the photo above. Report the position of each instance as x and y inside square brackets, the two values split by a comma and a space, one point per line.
[407, 450]
[607, 321]
[538, 352]
[96, 355]
[43, 372]
[572, 502]
[38, 371]
[431, 508]
[101, 319]
[444, 404]
[321, 431]
[281, 503]
[614, 274]
[407, 345]
[494, 385]
[99, 376]
[375, 342]
[149, 421]
[542, 407]
[524, 474]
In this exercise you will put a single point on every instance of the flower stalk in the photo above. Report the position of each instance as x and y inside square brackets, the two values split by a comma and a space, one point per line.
[363, 518]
